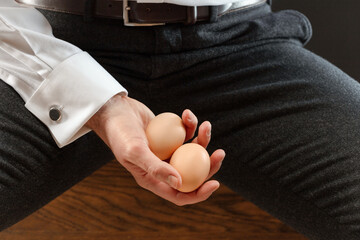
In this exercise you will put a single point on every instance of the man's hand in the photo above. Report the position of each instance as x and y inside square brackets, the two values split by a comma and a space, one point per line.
[121, 124]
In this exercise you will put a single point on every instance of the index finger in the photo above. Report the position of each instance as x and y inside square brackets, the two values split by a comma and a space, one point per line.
[190, 121]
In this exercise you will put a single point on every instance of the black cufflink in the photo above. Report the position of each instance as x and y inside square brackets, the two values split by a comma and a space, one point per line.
[55, 113]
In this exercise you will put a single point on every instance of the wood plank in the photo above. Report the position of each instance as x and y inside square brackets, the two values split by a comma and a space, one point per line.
[109, 205]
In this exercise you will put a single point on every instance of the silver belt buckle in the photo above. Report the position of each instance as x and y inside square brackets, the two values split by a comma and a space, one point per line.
[126, 9]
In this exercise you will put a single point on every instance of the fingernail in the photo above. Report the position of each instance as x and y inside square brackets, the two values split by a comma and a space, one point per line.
[191, 116]
[208, 133]
[220, 163]
[172, 181]
[216, 187]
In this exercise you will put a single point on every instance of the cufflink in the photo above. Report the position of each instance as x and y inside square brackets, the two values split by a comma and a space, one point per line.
[55, 113]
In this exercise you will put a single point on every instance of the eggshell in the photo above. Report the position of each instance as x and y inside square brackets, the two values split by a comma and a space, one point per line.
[192, 161]
[165, 133]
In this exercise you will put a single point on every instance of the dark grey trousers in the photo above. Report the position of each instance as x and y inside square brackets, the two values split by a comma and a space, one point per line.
[288, 120]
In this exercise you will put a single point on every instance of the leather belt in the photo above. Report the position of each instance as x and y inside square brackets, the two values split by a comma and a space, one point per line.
[141, 14]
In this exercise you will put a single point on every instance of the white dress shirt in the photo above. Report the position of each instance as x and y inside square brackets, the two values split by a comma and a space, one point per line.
[48, 72]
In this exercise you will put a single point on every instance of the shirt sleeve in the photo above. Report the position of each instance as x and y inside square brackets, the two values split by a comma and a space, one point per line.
[50, 73]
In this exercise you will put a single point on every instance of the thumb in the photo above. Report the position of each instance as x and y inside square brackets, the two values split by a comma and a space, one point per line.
[159, 169]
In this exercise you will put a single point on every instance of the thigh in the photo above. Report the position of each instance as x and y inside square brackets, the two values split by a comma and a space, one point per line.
[33, 170]
[290, 124]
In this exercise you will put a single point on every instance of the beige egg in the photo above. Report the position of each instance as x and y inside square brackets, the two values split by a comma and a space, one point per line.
[192, 161]
[165, 133]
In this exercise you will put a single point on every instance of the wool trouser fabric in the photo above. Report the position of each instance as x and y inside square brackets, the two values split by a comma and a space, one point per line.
[288, 119]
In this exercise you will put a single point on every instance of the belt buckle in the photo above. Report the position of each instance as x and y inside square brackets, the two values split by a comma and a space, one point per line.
[126, 9]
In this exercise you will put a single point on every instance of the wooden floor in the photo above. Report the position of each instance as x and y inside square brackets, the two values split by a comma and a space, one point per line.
[109, 205]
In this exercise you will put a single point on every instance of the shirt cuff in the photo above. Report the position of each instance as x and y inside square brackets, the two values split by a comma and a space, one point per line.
[76, 89]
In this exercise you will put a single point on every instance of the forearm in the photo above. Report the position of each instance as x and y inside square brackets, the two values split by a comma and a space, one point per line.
[48, 72]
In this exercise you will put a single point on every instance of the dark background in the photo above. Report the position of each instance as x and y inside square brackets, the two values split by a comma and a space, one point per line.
[336, 30]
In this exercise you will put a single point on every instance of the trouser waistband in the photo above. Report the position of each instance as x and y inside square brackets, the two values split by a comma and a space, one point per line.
[142, 14]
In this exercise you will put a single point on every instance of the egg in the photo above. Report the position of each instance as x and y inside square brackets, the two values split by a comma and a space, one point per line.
[165, 133]
[192, 161]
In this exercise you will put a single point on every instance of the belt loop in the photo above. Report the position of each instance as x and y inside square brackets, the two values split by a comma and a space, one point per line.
[89, 8]
[213, 13]
[191, 15]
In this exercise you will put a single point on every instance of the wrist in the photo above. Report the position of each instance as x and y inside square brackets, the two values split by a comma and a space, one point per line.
[102, 116]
